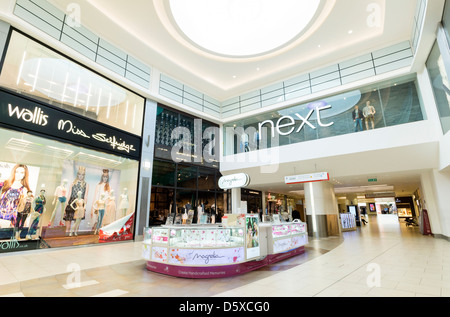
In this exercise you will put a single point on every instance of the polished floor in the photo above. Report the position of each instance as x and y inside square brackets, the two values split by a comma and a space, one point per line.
[384, 258]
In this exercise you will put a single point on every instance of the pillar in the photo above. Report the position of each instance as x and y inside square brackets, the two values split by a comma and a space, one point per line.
[236, 200]
[322, 211]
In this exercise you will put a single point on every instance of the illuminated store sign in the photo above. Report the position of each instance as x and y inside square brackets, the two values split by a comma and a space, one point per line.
[25, 114]
[289, 122]
[234, 181]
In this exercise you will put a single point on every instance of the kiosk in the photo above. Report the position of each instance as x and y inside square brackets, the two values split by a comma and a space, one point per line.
[237, 246]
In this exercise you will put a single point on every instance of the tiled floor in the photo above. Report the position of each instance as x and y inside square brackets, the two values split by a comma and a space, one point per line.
[384, 258]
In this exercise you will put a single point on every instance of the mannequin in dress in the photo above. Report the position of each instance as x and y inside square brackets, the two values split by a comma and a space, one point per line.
[12, 189]
[78, 185]
[60, 200]
[102, 187]
[124, 203]
[110, 215]
[39, 203]
[100, 206]
[79, 206]
[23, 210]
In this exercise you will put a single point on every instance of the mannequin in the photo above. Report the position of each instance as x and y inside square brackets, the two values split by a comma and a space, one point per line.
[102, 187]
[100, 206]
[110, 215]
[39, 203]
[124, 203]
[23, 210]
[60, 200]
[78, 185]
[79, 206]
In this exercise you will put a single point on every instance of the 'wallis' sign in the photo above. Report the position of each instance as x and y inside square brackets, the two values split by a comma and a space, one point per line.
[35, 117]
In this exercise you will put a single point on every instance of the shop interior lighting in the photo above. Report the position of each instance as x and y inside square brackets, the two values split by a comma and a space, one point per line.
[126, 114]
[95, 159]
[36, 75]
[19, 75]
[244, 27]
[89, 97]
[36, 148]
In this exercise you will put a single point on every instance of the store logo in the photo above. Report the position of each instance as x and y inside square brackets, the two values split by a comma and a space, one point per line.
[115, 144]
[71, 128]
[37, 117]
[289, 122]
[10, 245]
[234, 181]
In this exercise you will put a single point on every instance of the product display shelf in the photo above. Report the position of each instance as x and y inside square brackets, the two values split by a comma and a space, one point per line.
[348, 222]
[283, 237]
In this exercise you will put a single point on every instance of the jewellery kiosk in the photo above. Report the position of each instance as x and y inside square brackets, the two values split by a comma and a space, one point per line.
[239, 245]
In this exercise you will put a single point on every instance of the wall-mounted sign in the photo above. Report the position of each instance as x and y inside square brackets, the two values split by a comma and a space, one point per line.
[33, 116]
[234, 181]
[307, 178]
[287, 123]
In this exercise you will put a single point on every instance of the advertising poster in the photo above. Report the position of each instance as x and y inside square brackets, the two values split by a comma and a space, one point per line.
[15, 181]
[252, 236]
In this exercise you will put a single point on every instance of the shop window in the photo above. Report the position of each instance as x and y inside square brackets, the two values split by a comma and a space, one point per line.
[187, 176]
[441, 86]
[163, 173]
[105, 183]
[388, 103]
[35, 70]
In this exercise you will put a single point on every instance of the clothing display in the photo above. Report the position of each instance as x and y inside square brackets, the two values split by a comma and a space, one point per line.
[79, 210]
[39, 204]
[9, 201]
[79, 186]
[23, 210]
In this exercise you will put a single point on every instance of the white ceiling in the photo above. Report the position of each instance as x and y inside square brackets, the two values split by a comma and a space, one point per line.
[145, 30]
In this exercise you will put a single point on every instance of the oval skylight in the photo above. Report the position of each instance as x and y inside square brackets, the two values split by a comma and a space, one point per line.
[243, 27]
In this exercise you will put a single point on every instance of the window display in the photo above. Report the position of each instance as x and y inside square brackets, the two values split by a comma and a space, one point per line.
[38, 202]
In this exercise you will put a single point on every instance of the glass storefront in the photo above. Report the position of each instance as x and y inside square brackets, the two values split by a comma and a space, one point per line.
[33, 69]
[376, 106]
[180, 188]
[57, 175]
[68, 172]
[185, 170]
[183, 138]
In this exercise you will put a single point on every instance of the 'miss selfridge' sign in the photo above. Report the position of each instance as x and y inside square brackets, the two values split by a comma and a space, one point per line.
[307, 178]
[234, 181]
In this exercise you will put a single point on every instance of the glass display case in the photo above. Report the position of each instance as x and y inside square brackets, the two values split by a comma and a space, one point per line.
[208, 251]
[287, 236]
[195, 237]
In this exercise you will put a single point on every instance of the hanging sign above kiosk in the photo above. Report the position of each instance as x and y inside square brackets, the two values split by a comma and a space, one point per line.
[234, 181]
[307, 178]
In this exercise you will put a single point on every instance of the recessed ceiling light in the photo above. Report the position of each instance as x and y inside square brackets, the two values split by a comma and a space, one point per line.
[245, 27]
[350, 31]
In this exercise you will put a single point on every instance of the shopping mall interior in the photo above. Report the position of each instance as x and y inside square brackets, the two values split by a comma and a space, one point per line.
[224, 149]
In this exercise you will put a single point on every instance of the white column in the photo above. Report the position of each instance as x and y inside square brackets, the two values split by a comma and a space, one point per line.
[236, 200]
[320, 201]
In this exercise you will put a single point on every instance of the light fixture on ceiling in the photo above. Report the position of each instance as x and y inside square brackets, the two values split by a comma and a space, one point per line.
[244, 27]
